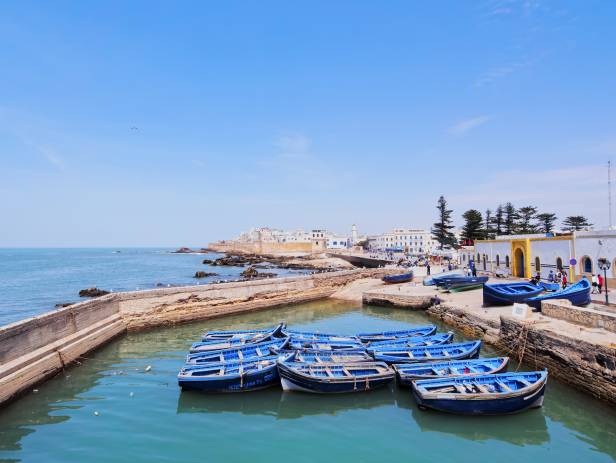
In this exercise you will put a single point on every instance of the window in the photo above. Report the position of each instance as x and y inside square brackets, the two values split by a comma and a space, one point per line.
[586, 265]
[537, 264]
[507, 261]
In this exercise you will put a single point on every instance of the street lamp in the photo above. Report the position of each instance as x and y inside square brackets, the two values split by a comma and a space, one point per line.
[604, 265]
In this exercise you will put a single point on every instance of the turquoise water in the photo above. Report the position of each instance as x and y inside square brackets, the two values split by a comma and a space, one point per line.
[144, 417]
[32, 281]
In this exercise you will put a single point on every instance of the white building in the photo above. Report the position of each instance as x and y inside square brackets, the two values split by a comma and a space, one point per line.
[411, 240]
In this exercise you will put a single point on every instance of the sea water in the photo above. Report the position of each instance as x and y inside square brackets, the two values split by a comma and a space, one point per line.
[113, 408]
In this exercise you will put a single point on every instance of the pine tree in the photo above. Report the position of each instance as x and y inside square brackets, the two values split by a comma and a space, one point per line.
[509, 220]
[575, 223]
[473, 227]
[498, 222]
[546, 221]
[488, 231]
[525, 218]
[442, 229]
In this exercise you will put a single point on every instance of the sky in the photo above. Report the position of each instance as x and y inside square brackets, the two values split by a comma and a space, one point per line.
[178, 123]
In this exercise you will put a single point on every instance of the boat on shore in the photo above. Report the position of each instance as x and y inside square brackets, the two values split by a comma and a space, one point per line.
[447, 283]
[249, 351]
[509, 293]
[578, 294]
[334, 377]
[415, 341]
[496, 394]
[400, 278]
[409, 372]
[458, 288]
[432, 279]
[549, 286]
[238, 376]
[425, 330]
[456, 351]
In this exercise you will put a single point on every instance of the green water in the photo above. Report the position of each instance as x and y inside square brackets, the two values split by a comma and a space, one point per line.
[143, 416]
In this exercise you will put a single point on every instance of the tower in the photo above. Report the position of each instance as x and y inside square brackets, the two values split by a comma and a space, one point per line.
[353, 234]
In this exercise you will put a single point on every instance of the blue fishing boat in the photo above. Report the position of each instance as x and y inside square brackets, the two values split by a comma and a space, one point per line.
[446, 283]
[326, 356]
[400, 278]
[409, 372]
[248, 351]
[431, 280]
[237, 334]
[317, 336]
[456, 351]
[549, 286]
[578, 294]
[509, 293]
[426, 330]
[238, 376]
[497, 394]
[328, 378]
[415, 341]
[213, 345]
[323, 344]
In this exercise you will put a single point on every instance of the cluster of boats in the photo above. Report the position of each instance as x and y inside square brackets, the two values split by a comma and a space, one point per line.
[442, 374]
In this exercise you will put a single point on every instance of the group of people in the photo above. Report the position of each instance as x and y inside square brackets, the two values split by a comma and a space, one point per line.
[559, 277]
[597, 284]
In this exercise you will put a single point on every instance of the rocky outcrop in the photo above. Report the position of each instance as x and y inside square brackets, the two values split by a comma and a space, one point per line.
[201, 274]
[207, 261]
[252, 273]
[183, 251]
[92, 292]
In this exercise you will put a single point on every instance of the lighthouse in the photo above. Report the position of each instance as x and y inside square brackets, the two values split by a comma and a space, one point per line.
[354, 235]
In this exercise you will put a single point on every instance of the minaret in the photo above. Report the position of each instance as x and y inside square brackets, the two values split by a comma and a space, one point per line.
[354, 234]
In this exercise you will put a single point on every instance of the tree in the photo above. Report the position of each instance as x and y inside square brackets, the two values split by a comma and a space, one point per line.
[442, 229]
[498, 222]
[546, 221]
[525, 218]
[488, 230]
[510, 219]
[575, 223]
[473, 226]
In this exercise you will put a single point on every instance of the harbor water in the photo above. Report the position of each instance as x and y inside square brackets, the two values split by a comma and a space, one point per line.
[113, 408]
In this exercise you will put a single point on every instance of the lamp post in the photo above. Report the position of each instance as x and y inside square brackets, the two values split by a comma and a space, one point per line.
[604, 265]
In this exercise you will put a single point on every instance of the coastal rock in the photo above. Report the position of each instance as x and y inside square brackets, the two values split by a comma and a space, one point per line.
[201, 274]
[182, 251]
[61, 305]
[252, 273]
[92, 292]
[208, 262]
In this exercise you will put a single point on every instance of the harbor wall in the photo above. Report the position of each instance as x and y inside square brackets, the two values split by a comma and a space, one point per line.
[262, 247]
[36, 348]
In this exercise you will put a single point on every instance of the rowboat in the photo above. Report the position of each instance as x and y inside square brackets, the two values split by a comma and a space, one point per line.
[248, 351]
[401, 278]
[508, 293]
[431, 280]
[409, 372]
[238, 334]
[497, 394]
[458, 288]
[334, 377]
[577, 294]
[326, 356]
[238, 376]
[549, 286]
[425, 330]
[317, 336]
[415, 341]
[450, 281]
[323, 344]
[213, 345]
[456, 351]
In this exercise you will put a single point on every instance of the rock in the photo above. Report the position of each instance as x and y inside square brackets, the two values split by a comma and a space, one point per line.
[182, 251]
[251, 273]
[92, 292]
[208, 261]
[63, 304]
[201, 274]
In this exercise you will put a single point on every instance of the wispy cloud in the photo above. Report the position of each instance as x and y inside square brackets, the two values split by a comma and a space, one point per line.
[46, 152]
[293, 145]
[499, 72]
[462, 127]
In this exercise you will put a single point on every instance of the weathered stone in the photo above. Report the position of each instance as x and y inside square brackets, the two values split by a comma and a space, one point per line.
[92, 292]
[201, 274]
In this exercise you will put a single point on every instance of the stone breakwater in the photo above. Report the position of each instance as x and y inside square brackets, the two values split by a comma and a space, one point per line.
[37, 348]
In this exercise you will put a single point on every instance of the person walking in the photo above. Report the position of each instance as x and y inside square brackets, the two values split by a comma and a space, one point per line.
[551, 276]
[594, 281]
[473, 269]
[600, 284]
[428, 267]
[564, 280]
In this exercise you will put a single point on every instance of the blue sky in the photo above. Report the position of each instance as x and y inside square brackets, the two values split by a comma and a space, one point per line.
[165, 123]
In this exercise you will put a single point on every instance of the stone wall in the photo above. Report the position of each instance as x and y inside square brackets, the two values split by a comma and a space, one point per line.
[591, 316]
[262, 247]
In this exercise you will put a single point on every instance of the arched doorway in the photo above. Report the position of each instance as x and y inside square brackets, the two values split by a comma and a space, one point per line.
[519, 263]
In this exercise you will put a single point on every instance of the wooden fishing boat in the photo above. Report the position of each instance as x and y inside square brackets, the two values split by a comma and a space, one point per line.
[248, 351]
[431, 280]
[458, 288]
[326, 356]
[317, 336]
[497, 394]
[238, 376]
[334, 377]
[237, 334]
[213, 345]
[409, 372]
[414, 341]
[549, 286]
[509, 293]
[449, 281]
[323, 344]
[456, 351]
[401, 278]
[425, 330]
[578, 294]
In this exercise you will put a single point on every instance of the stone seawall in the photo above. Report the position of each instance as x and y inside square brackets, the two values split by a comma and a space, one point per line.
[37, 348]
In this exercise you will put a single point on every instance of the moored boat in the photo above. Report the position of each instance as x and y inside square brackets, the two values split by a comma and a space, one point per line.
[414, 341]
[578, 294]
[248, 351]
[213, 345]
[237, 334]
[495, 394]
[409, 372]
[400, 278]
[326, 356]
[238, 376]
[334, 377]
[509, 293]
[318, 336]
[425, 330]
[323, 344]
[456, 351]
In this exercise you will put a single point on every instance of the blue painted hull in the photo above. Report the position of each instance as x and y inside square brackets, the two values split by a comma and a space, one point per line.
[403, 278]
[238, 383]
[431, 281]
[386, 335]
[436, 353]
[415, 341]
[409, 372]
[447, 282]
[251, 351]
[578, 294]
[549, 286]
[509, 293]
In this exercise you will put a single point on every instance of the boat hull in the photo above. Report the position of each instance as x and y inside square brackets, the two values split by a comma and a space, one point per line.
[427, 330]
[578, 294]
[291, 381]
[406, 379]
[393, 279]
[508, 294]
[240, 383]
[470, 352]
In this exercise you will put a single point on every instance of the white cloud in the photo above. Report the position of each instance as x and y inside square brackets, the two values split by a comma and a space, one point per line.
[500, 72]
[293, 145]
[466, 125]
